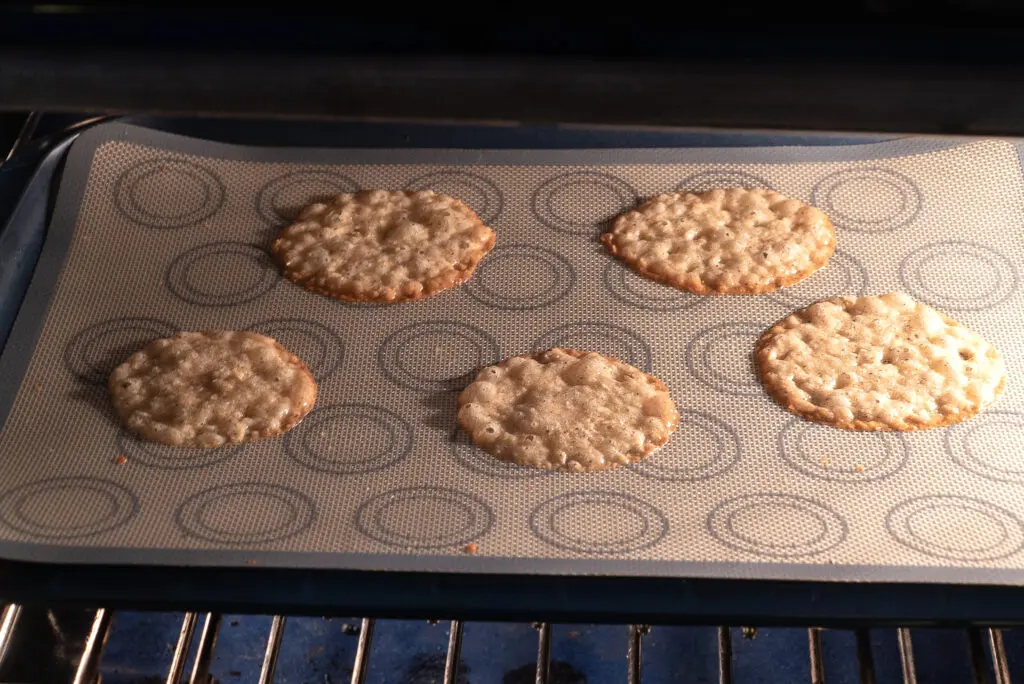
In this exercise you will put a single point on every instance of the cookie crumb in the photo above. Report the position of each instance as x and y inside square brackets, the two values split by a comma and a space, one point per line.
[120, 459]
[859, 468]
[471, 548]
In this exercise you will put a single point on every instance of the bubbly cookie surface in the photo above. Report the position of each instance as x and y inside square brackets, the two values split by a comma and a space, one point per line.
[564, 409]
[878, 363]
[207, 389]
[727, 241]
[381, 246]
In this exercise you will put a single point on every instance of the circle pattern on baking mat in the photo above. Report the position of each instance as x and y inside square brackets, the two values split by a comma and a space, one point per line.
[777, 525]
[643, 293]
[955, 528]
[598, 522]
[703, 446]
[989, 445]
[476, 459]
[166, 457]
[94, 353]
[868, 200]
[521, 277]
[319, 347]
[168, 193]
[722, 357]
[245, 513]
[67, 507]
[581, 202]
[934, 273]
[221, 274]
[722, 178]
[604, 338]
[424, 518]
[825, 453]
[281, 200]
[480, 193]
[436, 356]
[349, 438]
[842, 275]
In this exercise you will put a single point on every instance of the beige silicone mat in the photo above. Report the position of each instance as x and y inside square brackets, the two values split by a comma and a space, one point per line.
[154, 233]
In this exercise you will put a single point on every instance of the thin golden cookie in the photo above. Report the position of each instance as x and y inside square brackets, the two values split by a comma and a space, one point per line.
[564, 409]
[878, 363]
[734, 241]
[206, 389]
[380, 246]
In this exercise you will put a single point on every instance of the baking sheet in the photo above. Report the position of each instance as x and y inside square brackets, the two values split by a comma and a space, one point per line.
[154, 233]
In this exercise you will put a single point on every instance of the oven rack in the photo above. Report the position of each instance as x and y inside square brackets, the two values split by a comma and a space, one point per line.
[986, 651]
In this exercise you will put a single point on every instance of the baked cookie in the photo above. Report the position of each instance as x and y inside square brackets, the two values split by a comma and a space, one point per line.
[206, 389]
[878, 363]
[734, 241]
[380, 246]
[564, 409]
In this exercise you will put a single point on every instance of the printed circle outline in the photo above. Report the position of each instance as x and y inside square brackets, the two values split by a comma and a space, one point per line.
[698, 358]
[957, 444]
[79, 349]
[400, 439]
[543, 522]
[791, 447]
[899, 519]
[389, 354]
[176, 278]
[472, 457]
[1007, 277]
[712, 179]
[267, 196]
[138, 450]
[638, 352]
[616, 277]
[911, 200]
[559, 266]
[856, 277]
[330, 343]
[543, 195]
[214, 193]
[725, 437]
[480, 517]
[721, 525]
[493, 199]
[124, 504]
[190, 514]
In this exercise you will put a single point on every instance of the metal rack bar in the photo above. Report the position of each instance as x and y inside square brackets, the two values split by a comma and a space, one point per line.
[999, 662]
[8, 621]
[543, 652]
[273, 647]
[865, 657]
[724, 656]
[177, 668]
[907, 655]
[451, 662]
[814, 650]
[634, 652]
[362, 660]
[24, 135]
[979, 663]
[204, 656]
[89, 665]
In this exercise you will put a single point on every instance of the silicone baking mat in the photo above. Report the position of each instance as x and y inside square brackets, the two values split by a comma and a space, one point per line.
[154, 233]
